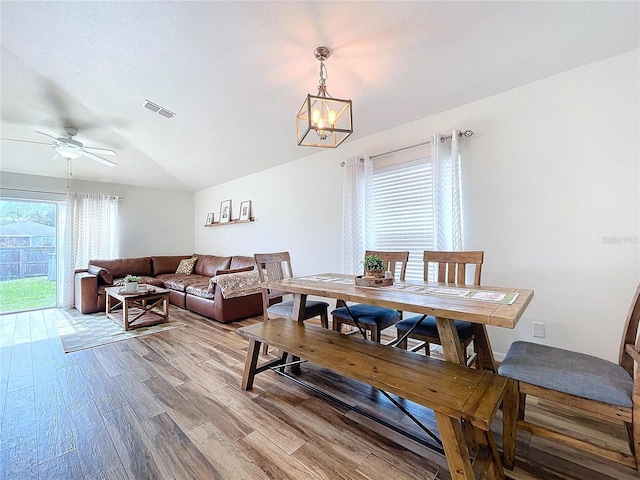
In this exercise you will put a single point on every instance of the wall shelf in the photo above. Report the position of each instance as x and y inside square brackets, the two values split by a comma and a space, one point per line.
[231, 222]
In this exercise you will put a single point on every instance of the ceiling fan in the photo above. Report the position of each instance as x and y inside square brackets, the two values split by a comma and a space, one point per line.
[69, 148]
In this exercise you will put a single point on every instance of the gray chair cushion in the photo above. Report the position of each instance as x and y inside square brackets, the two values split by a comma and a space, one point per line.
[368, 315]
[285, 309]
[569, 372]
[429, 328]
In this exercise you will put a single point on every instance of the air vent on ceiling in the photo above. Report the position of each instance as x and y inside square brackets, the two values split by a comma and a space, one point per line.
[158, 109]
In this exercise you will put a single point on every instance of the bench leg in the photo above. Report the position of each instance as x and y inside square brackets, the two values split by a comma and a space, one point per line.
[250, 365]
[456, 450]
[509, 423]
[496, 465]
[455, 447]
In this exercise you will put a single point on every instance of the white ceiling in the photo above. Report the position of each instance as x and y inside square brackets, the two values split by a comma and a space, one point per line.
[236, 73]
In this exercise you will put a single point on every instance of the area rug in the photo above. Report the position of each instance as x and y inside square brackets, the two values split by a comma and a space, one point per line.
[86, 331]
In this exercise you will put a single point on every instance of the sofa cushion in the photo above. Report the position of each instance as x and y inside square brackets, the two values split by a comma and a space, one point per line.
[166, 263]
[152, 281]
[122, 267]
[239, 261]
[186, 265]
[200, 290]
[104, 277]
[180, 281]
[208, 265]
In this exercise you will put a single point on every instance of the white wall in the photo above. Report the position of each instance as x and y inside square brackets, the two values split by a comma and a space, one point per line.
[551, 194]
[152, 222]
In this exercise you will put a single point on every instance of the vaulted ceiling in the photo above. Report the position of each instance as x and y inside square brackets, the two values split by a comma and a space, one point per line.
[236, 74]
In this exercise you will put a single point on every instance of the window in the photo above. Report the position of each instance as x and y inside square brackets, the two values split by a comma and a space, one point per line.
[405, 205]
[403, 212]
[407, 199]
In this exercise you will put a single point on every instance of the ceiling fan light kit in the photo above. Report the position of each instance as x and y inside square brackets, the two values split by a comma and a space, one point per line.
[323, 121]
[69, 148]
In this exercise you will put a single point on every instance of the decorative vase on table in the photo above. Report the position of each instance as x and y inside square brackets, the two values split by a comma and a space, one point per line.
[374, 266]
[131, 283]
[374, 273]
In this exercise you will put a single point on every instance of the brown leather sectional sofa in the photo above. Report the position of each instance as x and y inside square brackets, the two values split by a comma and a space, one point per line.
[190, 292]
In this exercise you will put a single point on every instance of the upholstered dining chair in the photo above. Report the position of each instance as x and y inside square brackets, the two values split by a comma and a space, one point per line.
[277, 266]
[450, 267]
[370, 317]
[588, 383]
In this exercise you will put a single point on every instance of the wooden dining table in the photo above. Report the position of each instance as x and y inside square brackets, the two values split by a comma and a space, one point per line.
[479, 305]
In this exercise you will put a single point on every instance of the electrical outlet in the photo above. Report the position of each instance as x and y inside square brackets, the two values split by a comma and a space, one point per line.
[537, 329]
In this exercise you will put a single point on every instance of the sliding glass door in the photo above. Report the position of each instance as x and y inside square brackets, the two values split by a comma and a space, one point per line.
[29, 265]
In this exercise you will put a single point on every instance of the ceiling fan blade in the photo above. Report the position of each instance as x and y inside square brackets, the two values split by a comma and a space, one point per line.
[29, 141]
[47, 135]
[102, 151]
[104, 161]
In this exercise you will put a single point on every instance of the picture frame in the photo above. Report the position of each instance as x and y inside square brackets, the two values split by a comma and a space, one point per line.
[245, 211]
[225, 211]
[210, 219]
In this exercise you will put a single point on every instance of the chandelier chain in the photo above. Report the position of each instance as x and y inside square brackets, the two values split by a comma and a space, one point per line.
[323, 74]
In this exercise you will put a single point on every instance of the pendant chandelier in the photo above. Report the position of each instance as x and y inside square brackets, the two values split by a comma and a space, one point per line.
[323, 121]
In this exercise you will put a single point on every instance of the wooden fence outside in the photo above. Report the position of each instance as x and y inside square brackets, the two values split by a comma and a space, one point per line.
[21, 262]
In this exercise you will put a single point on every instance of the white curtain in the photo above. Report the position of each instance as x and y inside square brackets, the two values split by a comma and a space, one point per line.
[91, 232]
[356, 182]
[448, 193]
[358, 213]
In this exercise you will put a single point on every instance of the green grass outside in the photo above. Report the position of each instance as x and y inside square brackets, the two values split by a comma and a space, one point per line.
[27, 294]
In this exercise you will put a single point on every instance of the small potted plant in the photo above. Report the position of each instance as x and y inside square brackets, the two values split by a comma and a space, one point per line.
[131, 283]
[374, 266]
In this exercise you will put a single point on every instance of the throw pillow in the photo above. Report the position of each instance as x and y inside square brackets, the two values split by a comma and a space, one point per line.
[186, 265]
[102, 273]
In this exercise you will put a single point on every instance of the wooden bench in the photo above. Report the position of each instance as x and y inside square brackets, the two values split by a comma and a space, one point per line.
[464, 400]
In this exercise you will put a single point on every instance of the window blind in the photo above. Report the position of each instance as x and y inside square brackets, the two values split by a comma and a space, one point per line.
[403, 210]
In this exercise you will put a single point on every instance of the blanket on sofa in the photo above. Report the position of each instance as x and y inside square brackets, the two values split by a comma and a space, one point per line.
[236, 285]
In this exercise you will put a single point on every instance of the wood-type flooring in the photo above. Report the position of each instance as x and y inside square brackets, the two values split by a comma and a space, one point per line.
[169, 406]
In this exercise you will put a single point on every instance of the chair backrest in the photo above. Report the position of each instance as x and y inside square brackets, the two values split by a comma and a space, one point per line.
[393, 259]
[451, 267]
[630, 336]
[273, 266]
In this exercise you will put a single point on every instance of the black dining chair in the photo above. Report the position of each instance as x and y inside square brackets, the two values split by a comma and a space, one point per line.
[370, 317]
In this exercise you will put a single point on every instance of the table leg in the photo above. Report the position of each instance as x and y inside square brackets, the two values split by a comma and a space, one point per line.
[166, 308]
[250, 365]
[125, 314]
[299, 303]
[482, 346]
[450, 341]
